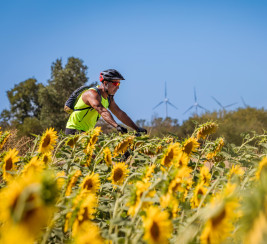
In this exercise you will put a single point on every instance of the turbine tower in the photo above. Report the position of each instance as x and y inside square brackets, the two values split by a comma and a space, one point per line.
[244, 103]
[196, 104]
[166, 101]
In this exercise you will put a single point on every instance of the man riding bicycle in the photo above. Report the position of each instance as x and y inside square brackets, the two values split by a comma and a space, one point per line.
[95, 102]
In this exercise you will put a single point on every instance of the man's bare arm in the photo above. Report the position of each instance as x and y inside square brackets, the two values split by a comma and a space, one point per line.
[92, 98]
[121, 115]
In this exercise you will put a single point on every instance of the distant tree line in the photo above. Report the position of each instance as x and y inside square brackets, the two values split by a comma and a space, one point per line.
[233, 125]
[35, 106]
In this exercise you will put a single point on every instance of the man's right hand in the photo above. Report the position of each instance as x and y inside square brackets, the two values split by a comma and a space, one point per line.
[121, 129]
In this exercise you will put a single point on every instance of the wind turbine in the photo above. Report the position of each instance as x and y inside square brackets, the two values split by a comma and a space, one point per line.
[223, 107]
[243, 101]
[196, 105]
[166, 101]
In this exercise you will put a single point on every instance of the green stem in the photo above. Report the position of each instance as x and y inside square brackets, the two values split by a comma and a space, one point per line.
[34, 147]
[250, 140]
[124, 185]
[118, 200]
[71, 161]
[207, 193]
[251, 172]
[139, 207]
[59, 144]
[100, 151]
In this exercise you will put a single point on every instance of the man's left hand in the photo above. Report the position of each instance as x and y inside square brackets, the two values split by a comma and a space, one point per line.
[141, 130]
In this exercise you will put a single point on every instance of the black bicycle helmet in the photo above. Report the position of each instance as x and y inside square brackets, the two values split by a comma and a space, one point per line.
[110, 74]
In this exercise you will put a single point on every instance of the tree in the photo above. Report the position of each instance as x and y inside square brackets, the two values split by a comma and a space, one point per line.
[64, 80]
[24, 100]
[231, 124]
[24, 104]
[35, 107]
[161, 127]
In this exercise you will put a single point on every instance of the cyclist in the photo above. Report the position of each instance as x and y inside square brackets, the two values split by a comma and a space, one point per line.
[95, 102]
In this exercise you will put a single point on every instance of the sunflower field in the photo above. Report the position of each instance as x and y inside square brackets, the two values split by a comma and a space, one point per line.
[99, 188]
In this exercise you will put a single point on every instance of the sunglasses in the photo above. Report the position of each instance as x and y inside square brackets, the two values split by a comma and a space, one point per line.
[115, 83]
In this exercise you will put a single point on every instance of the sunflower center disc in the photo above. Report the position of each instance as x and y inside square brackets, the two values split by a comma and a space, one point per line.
[9, 164]
[88, 185]
[118, 174]
[46, 141]
[154, 230]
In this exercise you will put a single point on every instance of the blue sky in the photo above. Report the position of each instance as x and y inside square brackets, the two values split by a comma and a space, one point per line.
[218, 47]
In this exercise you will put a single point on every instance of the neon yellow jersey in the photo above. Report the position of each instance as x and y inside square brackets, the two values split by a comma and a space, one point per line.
[85, 119]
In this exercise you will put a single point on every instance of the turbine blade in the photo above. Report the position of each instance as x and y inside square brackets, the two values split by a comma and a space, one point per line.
[172, 104]
[229, 105]
[158, 105]
[202, 107]
[217, 102]
[188, 109]
[195, 95]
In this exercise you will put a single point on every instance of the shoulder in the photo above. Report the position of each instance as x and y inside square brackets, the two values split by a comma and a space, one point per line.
[91, 94]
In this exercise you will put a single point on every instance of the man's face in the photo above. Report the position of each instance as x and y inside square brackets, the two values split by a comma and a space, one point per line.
[113, 86]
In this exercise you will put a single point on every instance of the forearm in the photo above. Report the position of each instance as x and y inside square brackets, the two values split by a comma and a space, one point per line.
[106, 115]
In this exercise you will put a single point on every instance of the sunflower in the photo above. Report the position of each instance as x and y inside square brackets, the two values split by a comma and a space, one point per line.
[86, 212]
[67, 221]
[182, 159]
[88, 233]
[158, 227]
[199, 192]
[140, 188]
[94, 133]
[170, 202]
[60, 179]
[222, 214]
[89, 153]
[94, 136]
[3, 138]
[33, 167]
[107, 156]
[148, 173]
[236, 170]
[91, 183]
[205, 175]
[206, 129]
[262, 168]
[72, 141]
[190, 145]
[171, 155]
[258, 231]
[46, 158]
[119, 173]
[123, 146]
[148, 151]
[48, 141]
[15, 234]
[9, 163]
[182, 182]
[176, 185]
[22, 203]
[73, 179]
[219, 143]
